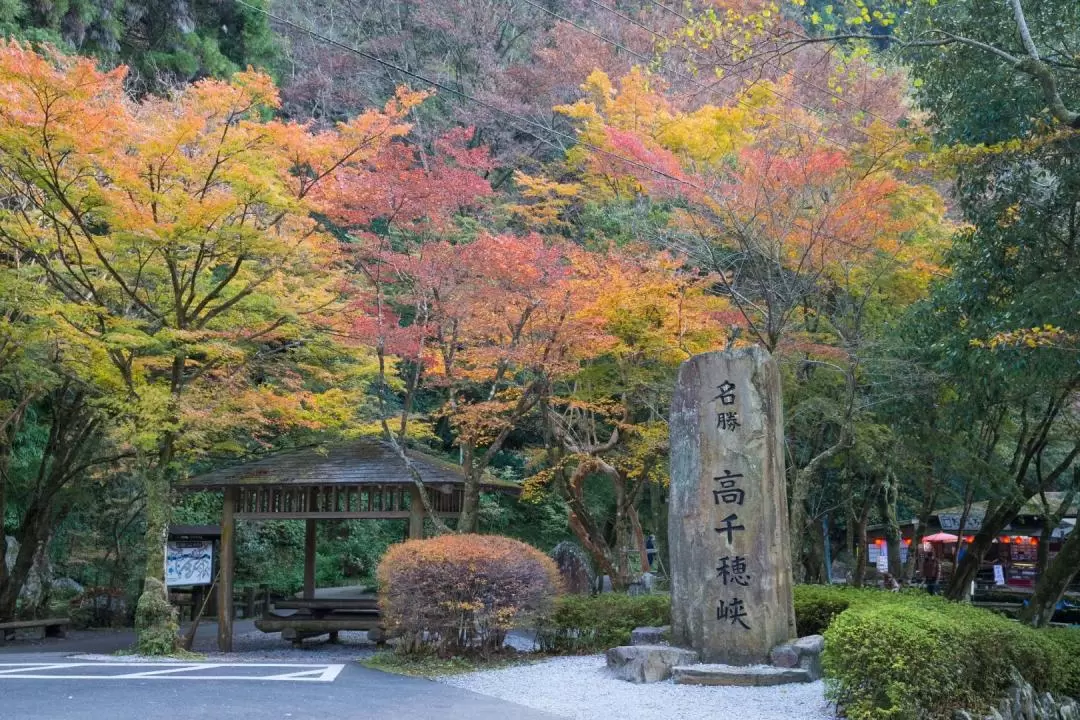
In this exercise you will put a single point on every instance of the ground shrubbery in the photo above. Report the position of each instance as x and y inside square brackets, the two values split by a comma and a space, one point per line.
[909, 656]
[583, 623]
[461, 594]
[817, 605]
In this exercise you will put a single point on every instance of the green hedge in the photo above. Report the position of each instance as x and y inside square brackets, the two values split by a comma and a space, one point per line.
[582, 623]
[909, 656]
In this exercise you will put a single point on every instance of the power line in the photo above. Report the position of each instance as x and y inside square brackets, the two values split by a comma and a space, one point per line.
[743, 74]
[689, 78]
[789, 73]
[466, 96]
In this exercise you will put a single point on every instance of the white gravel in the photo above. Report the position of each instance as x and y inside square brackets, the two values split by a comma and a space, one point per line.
[582, 688]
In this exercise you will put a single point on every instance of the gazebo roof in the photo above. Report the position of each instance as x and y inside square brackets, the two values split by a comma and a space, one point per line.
[355, 462]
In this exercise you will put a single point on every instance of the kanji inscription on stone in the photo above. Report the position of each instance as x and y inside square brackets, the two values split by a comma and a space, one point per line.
[727, 529]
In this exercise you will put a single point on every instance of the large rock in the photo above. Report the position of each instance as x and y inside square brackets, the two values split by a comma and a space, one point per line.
[11, 549]
[804, 653]
[35, 589]
[574, 568]
[1023, 703]
[66, 586]
[650, 635]
[731, 582]
[745, 675]
[784, 656]
[647, 663]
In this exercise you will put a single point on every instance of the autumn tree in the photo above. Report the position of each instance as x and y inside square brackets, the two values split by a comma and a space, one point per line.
[802, 231]
[491, 323]
[176, 236]
[607, 422]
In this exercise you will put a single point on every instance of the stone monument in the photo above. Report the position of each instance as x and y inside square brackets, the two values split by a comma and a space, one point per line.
[731, 586]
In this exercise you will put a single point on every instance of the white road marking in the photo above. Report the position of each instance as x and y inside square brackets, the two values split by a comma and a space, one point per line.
[166, 671]
[293, 672]
[22, 667]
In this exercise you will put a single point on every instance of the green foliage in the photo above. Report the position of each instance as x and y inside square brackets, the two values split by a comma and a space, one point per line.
[164, 43]
[911, 656]
[542, 524]
[583, 624]
[816, 606]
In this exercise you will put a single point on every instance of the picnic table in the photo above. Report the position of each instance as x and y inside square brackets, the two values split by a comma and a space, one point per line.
[329, 612]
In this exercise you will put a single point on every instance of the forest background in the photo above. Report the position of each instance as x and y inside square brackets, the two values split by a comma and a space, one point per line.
[492, 229]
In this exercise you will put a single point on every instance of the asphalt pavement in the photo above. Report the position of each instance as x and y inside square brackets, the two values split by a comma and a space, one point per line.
[57, 684]
[355, 692]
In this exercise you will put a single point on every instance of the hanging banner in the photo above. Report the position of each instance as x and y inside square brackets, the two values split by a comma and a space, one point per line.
[189, 562]
[999, 575]
[950, 522]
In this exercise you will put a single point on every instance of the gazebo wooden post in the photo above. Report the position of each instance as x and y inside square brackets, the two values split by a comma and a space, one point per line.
[228, 562]
[309, 560]
[416, 514]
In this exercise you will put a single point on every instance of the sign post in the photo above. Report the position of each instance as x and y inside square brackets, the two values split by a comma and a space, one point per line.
[189, 562]
[728, 527]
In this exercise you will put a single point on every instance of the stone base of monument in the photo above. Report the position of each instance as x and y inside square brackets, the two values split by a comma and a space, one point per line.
[647, 663]
[650, 635]
[803, 653]
[745, 675]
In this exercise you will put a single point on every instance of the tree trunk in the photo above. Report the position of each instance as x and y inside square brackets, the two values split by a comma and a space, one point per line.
[864, 541]
[930, 493]
[1053, 583]
[155, 619]
[469, 520]
[892, 527]
[29, 531]
[638, 533]
[997, 517]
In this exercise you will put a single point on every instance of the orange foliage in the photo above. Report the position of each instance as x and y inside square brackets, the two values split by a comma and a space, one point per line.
[462, 593]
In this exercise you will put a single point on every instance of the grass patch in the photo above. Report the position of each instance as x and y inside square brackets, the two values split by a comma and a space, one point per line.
[432, 666]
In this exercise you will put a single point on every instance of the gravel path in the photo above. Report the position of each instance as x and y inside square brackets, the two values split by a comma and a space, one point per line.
[582, 688]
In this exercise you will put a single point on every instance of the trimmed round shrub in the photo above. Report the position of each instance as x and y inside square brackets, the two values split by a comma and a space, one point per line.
[461, 594]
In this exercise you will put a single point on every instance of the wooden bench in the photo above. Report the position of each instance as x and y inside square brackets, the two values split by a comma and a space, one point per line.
[50, 627]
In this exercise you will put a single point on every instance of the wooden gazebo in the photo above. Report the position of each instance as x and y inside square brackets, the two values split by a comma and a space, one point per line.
[360, 479]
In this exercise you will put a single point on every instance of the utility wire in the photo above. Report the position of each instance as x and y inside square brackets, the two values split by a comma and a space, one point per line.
[734, 73]
[743, 74]
[689, 78]
[789, 73]
[470, 98]
[482, 103]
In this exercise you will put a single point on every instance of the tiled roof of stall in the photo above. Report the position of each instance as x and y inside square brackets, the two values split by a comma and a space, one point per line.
[1032, 507]
[348, 463]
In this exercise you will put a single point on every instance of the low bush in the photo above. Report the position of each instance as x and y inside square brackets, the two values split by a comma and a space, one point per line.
[910, 656]
[816, 606]
[461, 594]
[582, 623]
